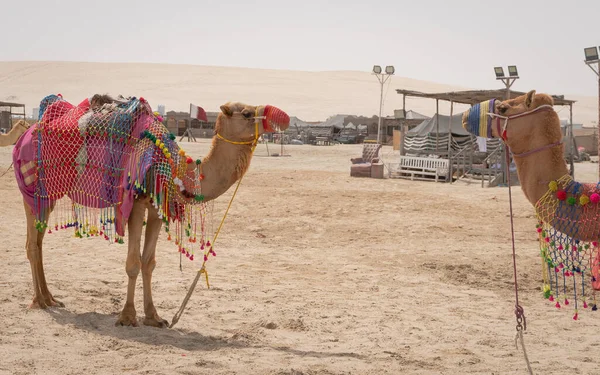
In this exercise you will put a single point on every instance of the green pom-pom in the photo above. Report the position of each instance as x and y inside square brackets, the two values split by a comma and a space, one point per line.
[198, 161]
[172, 136]
[571, 200]
[199, 197]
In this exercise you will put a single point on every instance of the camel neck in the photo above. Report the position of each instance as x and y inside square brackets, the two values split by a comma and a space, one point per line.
[223, 166]
[537, 170]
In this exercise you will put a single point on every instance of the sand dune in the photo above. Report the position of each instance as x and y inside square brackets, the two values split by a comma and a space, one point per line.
[311, 96]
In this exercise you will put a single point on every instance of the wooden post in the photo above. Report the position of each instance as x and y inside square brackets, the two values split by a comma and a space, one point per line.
[450, 141]
[437, 125]
[571, 150]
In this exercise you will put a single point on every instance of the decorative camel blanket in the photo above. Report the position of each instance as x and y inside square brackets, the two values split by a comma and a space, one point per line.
[569, 230]
[101, 159]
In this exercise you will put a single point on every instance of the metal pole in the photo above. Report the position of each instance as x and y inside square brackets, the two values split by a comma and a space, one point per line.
[380, 109]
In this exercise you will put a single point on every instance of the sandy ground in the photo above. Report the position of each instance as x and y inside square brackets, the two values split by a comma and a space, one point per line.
[316, 273]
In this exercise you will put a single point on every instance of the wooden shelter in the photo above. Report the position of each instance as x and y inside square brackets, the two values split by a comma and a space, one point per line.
[471, 97]
[7, 112]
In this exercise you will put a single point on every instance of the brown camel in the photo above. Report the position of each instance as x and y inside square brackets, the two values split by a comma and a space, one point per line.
[13, 135]
[236, 131]
[568, 211]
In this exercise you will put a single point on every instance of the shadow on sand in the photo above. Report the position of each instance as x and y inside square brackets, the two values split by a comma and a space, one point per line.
[104, 324]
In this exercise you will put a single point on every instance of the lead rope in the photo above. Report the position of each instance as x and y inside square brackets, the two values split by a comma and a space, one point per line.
[202, 269]
[519, 312]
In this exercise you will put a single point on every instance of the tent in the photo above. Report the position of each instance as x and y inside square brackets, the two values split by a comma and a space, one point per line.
[429, 126]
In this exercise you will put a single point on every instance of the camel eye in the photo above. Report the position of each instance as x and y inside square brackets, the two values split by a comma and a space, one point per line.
[246, 113]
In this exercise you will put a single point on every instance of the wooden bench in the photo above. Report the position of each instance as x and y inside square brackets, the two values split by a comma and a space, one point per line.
[419, 168]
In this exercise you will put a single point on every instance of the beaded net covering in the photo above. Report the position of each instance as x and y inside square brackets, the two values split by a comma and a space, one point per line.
[89, 164]
[569, 229]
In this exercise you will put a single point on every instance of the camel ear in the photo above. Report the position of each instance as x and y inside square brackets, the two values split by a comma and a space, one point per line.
[529, 98]
[226, 110]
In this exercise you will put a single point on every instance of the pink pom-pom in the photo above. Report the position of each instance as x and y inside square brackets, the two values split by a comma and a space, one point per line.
[557, 305]
[595, 244]
[560, 247]
[192, 257]
[584, 305]
[575, 316]
[566, 301]
[205, 258]
[547, 239]
[551, 299]
[595, 198]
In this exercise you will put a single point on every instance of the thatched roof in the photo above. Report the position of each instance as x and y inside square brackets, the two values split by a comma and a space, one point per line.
[476, 96]
[9, 104]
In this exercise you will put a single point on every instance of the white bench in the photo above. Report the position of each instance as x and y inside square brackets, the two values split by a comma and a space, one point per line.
[419, 168]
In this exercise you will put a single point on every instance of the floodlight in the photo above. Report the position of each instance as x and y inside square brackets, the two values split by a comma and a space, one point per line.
[389, 70]
[377, 69]
[591, 53]
[512, 71]
[499, 72]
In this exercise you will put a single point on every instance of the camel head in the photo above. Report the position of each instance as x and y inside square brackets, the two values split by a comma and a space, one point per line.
[525, 122]
[237, 122]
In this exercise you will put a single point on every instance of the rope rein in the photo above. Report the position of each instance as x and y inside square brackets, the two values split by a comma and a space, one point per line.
[202, 269]
[519, 312]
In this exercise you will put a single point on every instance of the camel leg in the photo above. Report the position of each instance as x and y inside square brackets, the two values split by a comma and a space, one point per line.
[133, 264]
[148, 263]
[42, 297]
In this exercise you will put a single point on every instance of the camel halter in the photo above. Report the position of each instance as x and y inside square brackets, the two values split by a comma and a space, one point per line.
[252, 142]
[502, 129]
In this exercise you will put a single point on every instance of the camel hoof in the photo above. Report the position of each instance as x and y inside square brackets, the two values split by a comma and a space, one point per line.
[156, 322]
[48, 302]
[126, 321]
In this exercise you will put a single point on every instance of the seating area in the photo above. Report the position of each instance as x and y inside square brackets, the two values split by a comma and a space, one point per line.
[369, 164]
[417, 168]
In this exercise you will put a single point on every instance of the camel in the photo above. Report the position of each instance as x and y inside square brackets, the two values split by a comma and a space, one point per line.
[13, 135]
[237, 129]
[568, 211]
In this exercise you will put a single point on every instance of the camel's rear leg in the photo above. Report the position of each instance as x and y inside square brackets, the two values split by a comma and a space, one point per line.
[42, 297]
[148, 262]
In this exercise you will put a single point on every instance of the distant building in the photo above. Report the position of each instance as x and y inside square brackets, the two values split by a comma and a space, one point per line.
[161, 109]
[35, 114]
[177, 122]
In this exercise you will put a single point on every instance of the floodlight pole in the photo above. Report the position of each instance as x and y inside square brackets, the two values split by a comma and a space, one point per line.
[508, 82]
[597, 71]
[382, 78]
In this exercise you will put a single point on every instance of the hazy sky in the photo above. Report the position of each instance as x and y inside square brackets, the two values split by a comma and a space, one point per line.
[455, 42]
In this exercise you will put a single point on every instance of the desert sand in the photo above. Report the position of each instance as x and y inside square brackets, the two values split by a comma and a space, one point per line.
[316, 273]
[311, 96]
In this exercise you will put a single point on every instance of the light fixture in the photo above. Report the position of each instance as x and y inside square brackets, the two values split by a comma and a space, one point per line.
[512, 71]
[377, 69]
[499, 72]
[389, 69]
[591, 53]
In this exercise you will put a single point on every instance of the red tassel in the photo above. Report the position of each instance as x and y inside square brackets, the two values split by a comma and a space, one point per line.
[575, 316]
[551, 299]
[557, 305]
[566, 301]
[584, 305]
